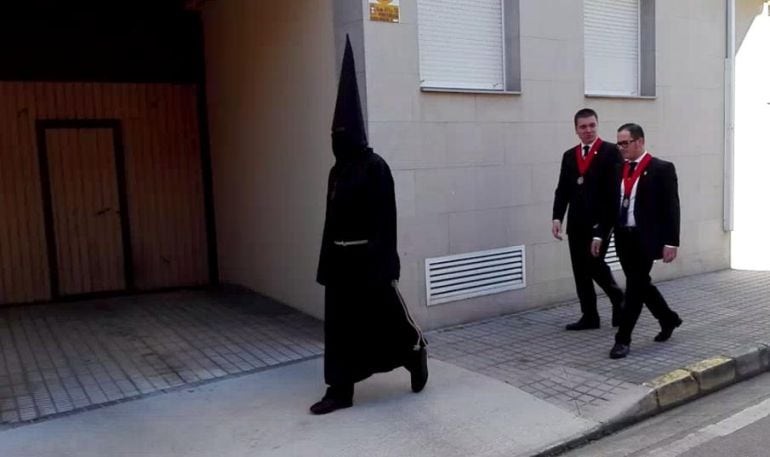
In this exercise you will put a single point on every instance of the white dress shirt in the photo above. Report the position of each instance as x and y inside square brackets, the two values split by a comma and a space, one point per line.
[583, 147]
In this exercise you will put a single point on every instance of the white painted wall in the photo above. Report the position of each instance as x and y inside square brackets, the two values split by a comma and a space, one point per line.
[750, 242]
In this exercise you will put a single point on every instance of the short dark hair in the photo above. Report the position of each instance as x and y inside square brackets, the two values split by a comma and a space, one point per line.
[585, 112]
[635, 130]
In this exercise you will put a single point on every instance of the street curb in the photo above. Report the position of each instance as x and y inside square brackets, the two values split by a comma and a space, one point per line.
[676, 388]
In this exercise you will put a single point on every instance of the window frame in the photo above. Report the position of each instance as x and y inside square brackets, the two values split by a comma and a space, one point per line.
[511, 53]
[646, 64]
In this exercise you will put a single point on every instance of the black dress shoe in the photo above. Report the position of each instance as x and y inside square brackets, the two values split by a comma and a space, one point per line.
[418, 368]
[583, 324]
[619, 351]
[328, 405]
[667, 330]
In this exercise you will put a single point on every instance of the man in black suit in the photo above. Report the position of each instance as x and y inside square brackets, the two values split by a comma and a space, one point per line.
[586, 170]
[643, 207]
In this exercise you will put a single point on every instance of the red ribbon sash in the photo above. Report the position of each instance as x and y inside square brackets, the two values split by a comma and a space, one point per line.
[584, 162]
[629, 181]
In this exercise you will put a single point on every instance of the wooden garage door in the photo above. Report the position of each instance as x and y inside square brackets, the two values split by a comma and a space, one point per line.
[164, 237]
[85, 195]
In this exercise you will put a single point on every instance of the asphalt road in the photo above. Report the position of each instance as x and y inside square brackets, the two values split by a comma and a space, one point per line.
[734, 422]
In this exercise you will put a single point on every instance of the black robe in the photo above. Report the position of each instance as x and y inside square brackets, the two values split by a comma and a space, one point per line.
[367, 326]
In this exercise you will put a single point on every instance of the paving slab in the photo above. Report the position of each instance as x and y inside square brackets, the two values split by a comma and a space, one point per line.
[62, 357]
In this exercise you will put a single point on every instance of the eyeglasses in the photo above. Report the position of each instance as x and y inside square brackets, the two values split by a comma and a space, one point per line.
[624, 144]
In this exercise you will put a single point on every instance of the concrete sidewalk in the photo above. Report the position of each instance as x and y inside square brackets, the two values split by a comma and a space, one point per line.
[517, 385]
[265, 414]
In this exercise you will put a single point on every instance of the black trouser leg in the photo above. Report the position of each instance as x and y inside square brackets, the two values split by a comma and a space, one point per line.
[580, 256]
[602, 274]
[636, 267]
[586, 268]
[637, 280]
[658, 306]
[342, 392]
[639, 288]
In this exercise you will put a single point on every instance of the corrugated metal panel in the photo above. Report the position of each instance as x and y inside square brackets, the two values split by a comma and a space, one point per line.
[163, 181]
[473, 274]
[165, 187]
[24, 275]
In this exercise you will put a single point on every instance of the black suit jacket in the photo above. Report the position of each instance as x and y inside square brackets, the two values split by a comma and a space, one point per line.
[584, 200]
[656, 209]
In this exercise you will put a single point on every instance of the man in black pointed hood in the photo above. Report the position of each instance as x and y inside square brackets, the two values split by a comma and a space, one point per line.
[367, 326]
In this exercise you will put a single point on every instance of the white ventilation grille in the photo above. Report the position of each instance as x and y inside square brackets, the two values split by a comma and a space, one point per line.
[611, 258]
[473, 274]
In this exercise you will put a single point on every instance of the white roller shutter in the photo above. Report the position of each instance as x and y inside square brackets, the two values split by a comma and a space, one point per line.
[461, 44]
[611, 47]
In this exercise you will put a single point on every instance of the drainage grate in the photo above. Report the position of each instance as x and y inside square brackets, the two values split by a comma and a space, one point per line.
[473, 274]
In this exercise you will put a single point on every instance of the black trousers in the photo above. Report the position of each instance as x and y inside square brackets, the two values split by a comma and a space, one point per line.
[586, 269]
[637, 265]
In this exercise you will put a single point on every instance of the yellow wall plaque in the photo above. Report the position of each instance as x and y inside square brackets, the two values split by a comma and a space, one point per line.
[384, 10]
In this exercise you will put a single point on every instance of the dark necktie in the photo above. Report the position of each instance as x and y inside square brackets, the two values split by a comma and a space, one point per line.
[623, 218]
[585, 150]
[631, 168]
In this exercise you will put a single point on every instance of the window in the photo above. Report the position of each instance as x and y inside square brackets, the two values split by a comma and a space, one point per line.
[619, 38]
[469, 44]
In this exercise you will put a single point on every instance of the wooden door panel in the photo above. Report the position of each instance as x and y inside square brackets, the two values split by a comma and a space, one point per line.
[86, 210]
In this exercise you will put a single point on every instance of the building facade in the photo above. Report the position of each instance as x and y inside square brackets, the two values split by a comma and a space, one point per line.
[224, 164]
[474, 139]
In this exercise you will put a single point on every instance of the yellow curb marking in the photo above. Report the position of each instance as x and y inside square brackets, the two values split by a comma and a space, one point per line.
[707, 364]
[668, 378]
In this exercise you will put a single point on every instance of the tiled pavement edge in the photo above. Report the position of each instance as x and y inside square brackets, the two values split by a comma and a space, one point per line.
[675, 388]
[60, 358]
[721, 342]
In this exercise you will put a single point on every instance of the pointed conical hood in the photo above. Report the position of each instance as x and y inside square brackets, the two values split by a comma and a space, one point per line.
[348, 132]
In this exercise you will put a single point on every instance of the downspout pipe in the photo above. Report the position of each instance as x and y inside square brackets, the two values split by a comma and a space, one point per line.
[729, 120]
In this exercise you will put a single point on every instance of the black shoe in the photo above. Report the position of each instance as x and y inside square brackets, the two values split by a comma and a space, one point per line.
[667, 330]
[328, 405]
[418, 368]
[619, 351]
[583, 324]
